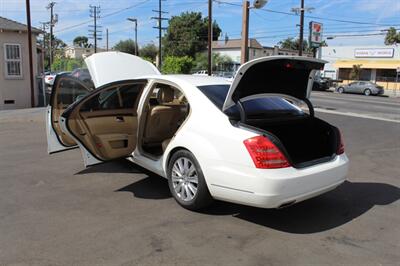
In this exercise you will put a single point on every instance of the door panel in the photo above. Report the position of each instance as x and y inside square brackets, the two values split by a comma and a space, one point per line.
[66, 90]
[106, 122]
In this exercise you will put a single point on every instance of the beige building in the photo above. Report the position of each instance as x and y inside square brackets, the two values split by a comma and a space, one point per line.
[232, 49]
[15, 91]
[77, 52]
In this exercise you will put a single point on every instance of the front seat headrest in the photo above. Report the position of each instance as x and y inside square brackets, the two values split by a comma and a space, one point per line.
[165, 95]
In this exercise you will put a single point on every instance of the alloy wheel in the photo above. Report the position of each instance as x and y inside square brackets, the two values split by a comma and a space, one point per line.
[184, 179]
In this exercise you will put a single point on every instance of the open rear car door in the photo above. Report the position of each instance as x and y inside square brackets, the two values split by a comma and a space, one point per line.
[102, 122]
[66, 90]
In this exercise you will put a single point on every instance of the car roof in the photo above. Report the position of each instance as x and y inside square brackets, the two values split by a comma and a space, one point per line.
[196, 80]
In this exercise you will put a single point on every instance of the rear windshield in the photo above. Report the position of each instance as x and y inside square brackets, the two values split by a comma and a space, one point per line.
[256, 108]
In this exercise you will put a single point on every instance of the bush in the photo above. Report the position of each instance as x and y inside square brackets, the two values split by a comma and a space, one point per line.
[177, 65]
[66, 64]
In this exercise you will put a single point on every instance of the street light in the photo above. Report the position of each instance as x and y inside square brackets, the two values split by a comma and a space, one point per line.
[257, 4]
[136, 45]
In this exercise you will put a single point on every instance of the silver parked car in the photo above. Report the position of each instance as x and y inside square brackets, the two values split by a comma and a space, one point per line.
[364, 87]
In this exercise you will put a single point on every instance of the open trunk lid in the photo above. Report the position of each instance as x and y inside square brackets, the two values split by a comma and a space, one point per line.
[108, 67]
[288, 75]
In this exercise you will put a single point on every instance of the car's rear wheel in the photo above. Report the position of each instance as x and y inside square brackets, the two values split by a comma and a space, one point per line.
[367, 92]
[186, 181]
[340, 90]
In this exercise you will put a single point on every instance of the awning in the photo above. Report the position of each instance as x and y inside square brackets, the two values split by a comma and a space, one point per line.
[373, 64]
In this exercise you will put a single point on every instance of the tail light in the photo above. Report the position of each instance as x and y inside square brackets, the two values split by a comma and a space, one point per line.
[265, 154]
[340, 148]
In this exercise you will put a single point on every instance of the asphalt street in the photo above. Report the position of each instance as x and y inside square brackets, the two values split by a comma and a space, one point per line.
[53, 211]
[353, 104]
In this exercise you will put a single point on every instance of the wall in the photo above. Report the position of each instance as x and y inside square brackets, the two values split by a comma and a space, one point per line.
[17, 89]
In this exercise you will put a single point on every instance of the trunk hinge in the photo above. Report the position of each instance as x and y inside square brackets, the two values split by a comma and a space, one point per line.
[310, 106]
[242, 112]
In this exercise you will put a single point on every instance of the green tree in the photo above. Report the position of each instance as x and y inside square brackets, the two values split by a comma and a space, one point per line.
[177, 65]
[81, 41]
[126, 46]
[58, 48]
[66, 64]
[149, 51]
[355, 72]
[219, 62]
[294, 44]
[187, 34]
[392, 36]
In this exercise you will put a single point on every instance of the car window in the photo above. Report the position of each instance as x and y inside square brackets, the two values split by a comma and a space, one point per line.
[121, 97]
[270, 105]
[70, 90]
[361, 83]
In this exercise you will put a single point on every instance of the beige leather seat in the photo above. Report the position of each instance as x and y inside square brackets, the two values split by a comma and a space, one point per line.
[163, 119]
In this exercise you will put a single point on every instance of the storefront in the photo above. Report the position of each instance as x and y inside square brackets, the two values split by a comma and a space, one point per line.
[376, 64]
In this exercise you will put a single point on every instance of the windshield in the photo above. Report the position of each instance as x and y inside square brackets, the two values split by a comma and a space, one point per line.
[255, 108]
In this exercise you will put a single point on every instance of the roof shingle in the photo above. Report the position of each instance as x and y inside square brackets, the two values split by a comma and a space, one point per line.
[11, 25]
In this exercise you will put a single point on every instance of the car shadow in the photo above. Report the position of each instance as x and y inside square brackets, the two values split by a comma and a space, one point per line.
[150, 187]
[114, 166]
[330, 210]
[335, 208]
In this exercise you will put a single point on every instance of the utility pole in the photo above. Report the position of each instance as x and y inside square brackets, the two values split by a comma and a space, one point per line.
[210, 38]
[160, 28]
[95, 14]
[301, 11]
[244, 54]
[106, 39]
[301, 28]
[52, 23]
[134, 20]
[28, 18]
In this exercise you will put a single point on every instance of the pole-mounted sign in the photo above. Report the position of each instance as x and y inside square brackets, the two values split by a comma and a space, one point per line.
[315, 38]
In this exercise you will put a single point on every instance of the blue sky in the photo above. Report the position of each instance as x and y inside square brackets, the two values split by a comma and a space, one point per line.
[370, 17]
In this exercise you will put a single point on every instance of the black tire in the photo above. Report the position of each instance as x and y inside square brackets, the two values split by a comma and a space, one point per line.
[340, 90]
[367, 92]
[202, 198]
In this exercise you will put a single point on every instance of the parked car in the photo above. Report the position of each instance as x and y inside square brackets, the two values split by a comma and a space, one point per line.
[321, 84]
[363, 87]
[201, 73]
[49, 78]
[242, 142]
[82, 74]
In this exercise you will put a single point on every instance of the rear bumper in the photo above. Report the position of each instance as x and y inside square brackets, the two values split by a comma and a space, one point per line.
[273, 188]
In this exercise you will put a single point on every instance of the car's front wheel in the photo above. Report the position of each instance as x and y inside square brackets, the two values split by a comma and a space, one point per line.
[186, 181]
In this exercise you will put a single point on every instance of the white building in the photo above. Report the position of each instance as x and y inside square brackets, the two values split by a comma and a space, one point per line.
[377, 63]
[232, 49]
[76, 52]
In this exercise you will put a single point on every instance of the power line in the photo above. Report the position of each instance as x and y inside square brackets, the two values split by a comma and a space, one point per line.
[107, 15]
[307, 16]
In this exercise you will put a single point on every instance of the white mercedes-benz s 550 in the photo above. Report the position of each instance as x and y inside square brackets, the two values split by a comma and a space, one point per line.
[253, 141]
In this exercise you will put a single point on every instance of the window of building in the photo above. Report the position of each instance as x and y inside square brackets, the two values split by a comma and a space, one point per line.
[13, 61]
[388, 75]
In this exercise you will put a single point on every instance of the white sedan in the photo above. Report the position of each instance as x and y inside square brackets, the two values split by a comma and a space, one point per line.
[250, 142]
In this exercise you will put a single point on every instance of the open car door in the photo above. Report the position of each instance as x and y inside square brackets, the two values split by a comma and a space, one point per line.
[101, 119]
[104, 123]
[66, 90]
